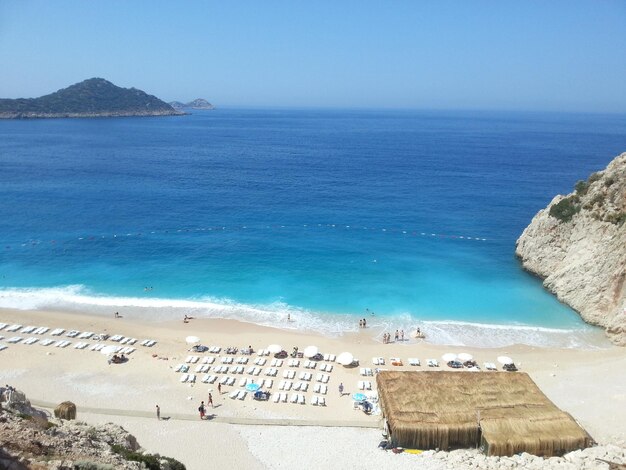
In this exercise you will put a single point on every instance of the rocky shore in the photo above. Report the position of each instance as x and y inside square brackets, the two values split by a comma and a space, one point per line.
[577, 245]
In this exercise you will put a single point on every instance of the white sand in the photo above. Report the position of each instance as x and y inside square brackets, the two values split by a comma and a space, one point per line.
[589, 384]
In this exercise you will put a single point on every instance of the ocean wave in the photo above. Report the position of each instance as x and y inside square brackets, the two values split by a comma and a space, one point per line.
[453, 333]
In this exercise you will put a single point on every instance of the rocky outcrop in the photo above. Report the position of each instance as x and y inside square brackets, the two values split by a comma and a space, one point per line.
[29, 440]
[577, 245]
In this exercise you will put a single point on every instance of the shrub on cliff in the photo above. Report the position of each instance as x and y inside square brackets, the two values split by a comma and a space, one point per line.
[565, 209]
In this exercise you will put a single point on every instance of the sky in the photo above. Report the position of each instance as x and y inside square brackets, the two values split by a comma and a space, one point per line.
[561, 55]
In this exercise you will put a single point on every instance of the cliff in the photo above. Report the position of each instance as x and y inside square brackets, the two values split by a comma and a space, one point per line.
[577, 245]
[95, 97]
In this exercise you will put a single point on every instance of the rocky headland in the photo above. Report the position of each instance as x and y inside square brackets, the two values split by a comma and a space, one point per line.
[577, 245]
[95, 97]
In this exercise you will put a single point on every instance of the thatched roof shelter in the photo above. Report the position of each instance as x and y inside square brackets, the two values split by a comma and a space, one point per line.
[503, 413]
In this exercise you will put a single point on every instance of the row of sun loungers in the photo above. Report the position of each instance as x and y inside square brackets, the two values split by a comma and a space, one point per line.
[364, 385]
[366, 371]
[188, 378]
[238, 394]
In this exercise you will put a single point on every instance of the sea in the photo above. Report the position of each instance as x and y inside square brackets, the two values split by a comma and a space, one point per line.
[406, 218]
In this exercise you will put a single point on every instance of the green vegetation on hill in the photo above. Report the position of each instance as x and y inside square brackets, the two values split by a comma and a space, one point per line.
[92, 97]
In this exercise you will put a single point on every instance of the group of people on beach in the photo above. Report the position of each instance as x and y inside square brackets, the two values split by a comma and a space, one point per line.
[399, 336]
[363, 323]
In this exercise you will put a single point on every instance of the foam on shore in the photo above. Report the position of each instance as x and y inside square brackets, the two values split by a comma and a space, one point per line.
[454, 333]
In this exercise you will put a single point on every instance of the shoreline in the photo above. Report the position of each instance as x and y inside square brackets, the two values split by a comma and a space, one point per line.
[588, 384]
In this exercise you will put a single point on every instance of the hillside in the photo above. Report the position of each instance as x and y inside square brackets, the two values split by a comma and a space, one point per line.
[577, 245]
[95, 97]
[198, 103]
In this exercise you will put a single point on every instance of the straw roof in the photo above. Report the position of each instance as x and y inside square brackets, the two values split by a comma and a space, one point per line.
[504, 413]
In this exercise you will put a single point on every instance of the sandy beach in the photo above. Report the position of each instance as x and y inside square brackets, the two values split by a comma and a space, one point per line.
[589, 384]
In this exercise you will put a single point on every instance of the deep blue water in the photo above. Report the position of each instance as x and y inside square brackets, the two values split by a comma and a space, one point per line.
[322, 213]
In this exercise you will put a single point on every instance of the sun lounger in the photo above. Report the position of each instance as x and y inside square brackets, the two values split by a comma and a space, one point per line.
[329, 368]
[414, 361]
[184, 378]
[242, 394]
[321, 401]
[72, 333]
[301, 400]
[223, 380]
[3, 326]
[294, 398]
[118, 338]
[207, 378]
[85, 335]
[260, 361]
[325, 379]
[324, 389]
[368, 385]
[332, 358]
[490, 366]
[288, 385]
[28, 329]
[31, 340]
[46, 342]
[243, 382]
[304, 386]
[276, 398]
[199, 368]
[42, 330]
[2, 347]
[260, 352]
[296, 386]
[314, 400]
[205, 360]
[179, 367]
[192, 378]
[80, 345]
[232, 395]
[188, 360]
[362, 371]
[241, 360]
[14, 339]
[283, 397]
[433, 363]
[13, 328]
[281, 385]
[269, 383]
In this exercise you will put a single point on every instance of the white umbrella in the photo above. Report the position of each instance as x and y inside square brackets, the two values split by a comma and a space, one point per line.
[345, 358]
[192, 339]
[311, 351]
[464, 357]
[274, 348]
[505, 360]
[109, 350]
[449, 357]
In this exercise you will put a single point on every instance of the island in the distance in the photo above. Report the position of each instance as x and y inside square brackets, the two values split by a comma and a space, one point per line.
[198, 103]
[95, 97]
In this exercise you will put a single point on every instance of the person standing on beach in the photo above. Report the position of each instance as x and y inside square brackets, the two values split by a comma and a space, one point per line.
[397, 335]
[202, 410]
[402, 335]
[341, 389]
[364, 323]
[158, 410]
[210, 401]
[219, 388]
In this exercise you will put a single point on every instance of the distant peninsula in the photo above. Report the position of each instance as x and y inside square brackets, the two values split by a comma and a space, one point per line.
[95, 97]
[195, 104]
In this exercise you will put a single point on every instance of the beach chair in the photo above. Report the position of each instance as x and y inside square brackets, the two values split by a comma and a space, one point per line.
[283, 397]
[329, 367]
[195, 359]
[2, 347]
[3, 326]
[198, 369]
[362, 371]
[314, 400]
[28, 329]
[433, 363]
[317, 388]
[230, 381]
[224, 380]
[13, 328]
[78, 345]
[294, 398]
[269, 383]
[184, 378]
[325, 379]
[276, 398]
[46, 342]
[288, 384]
[32, 340]
[132, 341]
[381, 361]
[242, 394]
[205, 378]
[192, 378]
[179, 367]
[304, 387]
[281, 385]
[375, 361]
[332, 358]
[85, 335]
[14, 339]
[323, 389]
[57, 332]
[233, 394]
[301, 400]
[361, 385]
[279, 363]
[42, 330]
[321, 401]
[296, 386]
[367, 385]
[414, 361]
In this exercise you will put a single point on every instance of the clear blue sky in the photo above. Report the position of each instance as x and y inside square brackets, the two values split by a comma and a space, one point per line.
[566, 55]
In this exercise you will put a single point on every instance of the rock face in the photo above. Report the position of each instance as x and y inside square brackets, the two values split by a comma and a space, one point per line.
[577, 245]
[95, 97]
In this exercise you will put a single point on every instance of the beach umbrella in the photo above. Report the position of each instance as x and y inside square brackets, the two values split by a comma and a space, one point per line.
[311, 351]
[345, 358]
[505, 360]
[464, 357]
[192, 339]
[274, 348]
[449, 357]
[359, 397]
[109, 350]
[252, 387]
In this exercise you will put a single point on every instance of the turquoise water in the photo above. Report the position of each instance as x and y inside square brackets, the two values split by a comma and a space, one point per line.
[253, 214]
